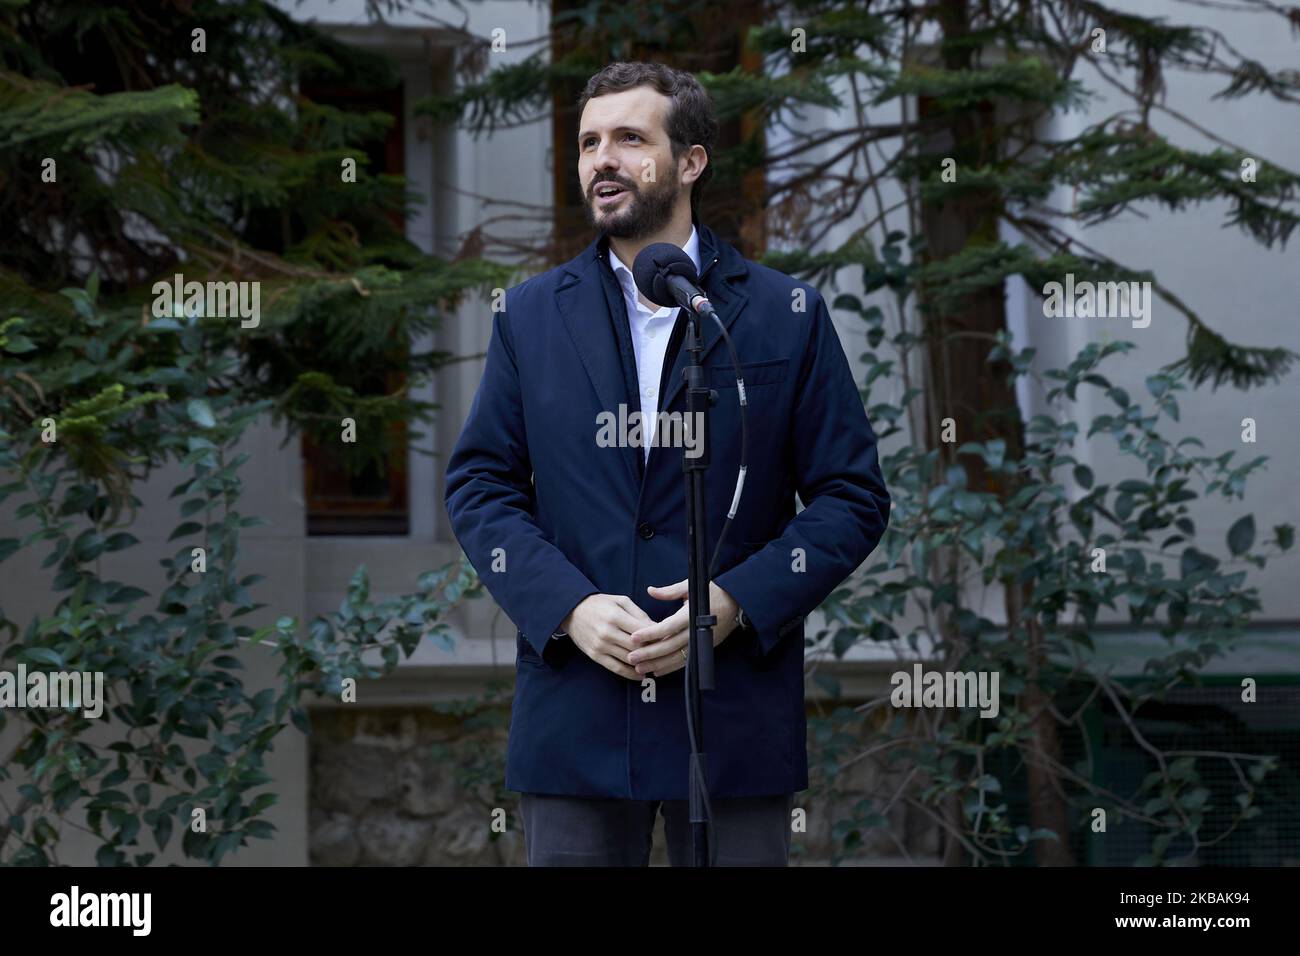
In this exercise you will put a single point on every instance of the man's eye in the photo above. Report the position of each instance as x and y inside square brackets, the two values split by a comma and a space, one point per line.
[632, 135]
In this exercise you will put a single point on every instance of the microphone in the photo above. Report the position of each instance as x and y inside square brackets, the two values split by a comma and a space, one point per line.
[666, 276]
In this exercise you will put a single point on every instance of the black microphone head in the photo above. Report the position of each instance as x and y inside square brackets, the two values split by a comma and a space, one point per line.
[656, 261]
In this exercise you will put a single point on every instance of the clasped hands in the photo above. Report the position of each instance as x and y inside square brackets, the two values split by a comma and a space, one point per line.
[615, 633]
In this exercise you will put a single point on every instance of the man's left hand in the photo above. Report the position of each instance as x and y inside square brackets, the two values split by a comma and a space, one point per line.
[660, 647]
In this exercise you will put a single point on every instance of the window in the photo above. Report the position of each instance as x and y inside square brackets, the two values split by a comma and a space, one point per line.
[375, 500]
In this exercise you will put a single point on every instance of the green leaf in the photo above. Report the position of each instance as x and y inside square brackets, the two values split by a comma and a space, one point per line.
[850, 303]
[123, 539]
[894, 543]
[827, 683]
[43, 655]
[185, 528]
[1285, 535]
[845, 637]
[126, 594]
[200, 412]
[162, 830]
[1241, 535]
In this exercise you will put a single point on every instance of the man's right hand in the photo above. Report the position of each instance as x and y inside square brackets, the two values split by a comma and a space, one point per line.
[601, 624]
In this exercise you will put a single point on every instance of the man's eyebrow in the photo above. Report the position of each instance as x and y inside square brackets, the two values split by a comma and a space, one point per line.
[618, 129]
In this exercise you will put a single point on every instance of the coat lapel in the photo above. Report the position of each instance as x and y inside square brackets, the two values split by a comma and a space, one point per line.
[580, 299]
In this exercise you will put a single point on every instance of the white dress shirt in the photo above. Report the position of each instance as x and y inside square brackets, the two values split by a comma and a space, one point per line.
[651, 329]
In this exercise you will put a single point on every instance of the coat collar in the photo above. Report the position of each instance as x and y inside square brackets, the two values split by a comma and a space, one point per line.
[580, 297]
[730, 263]
[623, 271]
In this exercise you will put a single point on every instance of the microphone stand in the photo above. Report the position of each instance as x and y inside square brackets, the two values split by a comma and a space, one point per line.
[699, 662]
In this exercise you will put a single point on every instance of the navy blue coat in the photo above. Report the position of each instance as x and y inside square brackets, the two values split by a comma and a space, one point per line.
[573, 518]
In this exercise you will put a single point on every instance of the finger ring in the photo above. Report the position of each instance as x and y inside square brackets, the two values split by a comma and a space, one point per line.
[682, 650]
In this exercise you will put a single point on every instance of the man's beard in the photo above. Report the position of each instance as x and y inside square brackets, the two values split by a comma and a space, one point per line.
[646, 210]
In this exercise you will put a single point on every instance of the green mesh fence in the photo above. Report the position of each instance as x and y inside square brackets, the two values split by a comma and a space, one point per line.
[1209, 719]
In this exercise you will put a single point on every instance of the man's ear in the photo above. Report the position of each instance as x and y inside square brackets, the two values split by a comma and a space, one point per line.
[694, 162]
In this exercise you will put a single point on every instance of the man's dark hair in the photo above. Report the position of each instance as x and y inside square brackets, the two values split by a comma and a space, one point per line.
[690, 120]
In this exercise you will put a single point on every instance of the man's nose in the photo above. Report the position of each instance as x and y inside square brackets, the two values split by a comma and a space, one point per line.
[606, 159]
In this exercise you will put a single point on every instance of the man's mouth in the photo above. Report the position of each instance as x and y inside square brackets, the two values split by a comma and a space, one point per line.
[607, 194]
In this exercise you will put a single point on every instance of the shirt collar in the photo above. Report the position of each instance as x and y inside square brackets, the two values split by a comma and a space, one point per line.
[624, 274]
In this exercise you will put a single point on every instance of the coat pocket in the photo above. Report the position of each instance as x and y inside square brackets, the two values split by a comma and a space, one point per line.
[754, 373]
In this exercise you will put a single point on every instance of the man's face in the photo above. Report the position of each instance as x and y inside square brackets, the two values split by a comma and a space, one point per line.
[622, 142]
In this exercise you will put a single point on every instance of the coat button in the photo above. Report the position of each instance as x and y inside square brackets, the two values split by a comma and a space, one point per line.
[645, 531]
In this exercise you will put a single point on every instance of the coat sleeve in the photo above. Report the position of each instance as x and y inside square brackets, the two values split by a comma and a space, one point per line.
[837, 475]
[491, 503]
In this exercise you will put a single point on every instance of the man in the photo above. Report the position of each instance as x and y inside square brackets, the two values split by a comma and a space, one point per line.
[582, 539]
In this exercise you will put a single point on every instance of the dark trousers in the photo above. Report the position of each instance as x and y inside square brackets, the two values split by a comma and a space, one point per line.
[594, 831]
